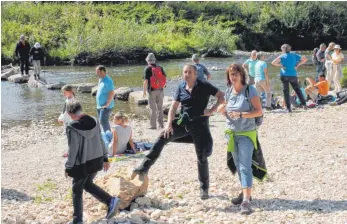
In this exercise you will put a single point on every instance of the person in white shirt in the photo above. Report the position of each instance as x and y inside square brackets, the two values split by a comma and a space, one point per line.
[338, 59]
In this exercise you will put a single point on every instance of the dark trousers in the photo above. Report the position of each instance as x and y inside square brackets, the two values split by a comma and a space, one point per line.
[293, 80]
[86, 183]
[319, 68]
[202, 139]
[24, 62]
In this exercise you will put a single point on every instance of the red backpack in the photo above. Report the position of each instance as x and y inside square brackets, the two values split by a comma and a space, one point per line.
[158, 79]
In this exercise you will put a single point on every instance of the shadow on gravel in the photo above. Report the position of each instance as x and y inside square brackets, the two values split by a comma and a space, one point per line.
[11, 194]
[276, 204]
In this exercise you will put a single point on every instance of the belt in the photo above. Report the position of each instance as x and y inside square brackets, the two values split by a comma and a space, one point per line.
[155, 89]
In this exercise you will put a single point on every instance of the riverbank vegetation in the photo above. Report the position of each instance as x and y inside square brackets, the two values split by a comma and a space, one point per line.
[68, 30]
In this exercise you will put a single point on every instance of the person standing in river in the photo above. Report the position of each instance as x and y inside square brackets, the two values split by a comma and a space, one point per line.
[37, 56]
[249, 66]
[104, 97]
[154, 83]
[22, 52]
[201, 69]
[289, 63]
[193, 96]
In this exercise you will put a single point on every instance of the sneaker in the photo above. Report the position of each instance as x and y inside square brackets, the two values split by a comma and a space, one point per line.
[246, 208]
[204, 194]
[113, 207]
[239, 199]
[151, 128]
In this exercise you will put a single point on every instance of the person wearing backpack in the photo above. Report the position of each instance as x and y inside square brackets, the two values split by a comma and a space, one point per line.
[321, 61]
[154, 83]
[242, 108]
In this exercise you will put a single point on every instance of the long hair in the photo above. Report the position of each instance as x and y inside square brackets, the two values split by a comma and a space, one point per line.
[68, 88]
[236, 68]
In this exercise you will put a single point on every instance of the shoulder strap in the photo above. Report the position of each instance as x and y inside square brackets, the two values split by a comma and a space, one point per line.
[228, 93]
[247, 97]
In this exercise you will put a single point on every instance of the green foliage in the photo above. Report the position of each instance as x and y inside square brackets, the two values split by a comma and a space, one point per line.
[66, 29]
[344, 78]
[45, 191]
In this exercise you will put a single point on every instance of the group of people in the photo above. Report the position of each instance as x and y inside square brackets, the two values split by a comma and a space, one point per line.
[25, 53]
[91, 141]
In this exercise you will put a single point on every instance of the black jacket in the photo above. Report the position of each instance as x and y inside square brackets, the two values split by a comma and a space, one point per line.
[23, 50]
[37, 53]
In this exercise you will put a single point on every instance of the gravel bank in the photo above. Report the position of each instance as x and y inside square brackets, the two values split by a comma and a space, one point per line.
[305, 152]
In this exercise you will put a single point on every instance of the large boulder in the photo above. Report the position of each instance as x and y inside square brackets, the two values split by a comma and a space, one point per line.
[55, 86]
[20, 78]
[37, 83]
[4, 67]
[137, 98]
[6, 73]
[83, 87]
[119, 184]
[123, 93]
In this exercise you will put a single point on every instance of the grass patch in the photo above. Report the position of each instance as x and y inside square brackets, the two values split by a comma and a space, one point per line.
[45, 191]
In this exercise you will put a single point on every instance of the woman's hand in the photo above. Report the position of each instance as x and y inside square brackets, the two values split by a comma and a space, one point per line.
[234, 114]
[106, 166]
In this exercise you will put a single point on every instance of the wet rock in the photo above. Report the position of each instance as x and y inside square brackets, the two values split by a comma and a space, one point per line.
[55, 86]
[137, 98]
[83, 87]
[37, 83]
[6, 73]
[123, 93]
[18, 78]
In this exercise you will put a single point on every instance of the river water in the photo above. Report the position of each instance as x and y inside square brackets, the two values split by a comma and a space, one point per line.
[21, 104]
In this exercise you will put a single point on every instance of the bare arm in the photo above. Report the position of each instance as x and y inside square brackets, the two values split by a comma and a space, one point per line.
[172, 112]
[302, 61]
[257, 112]
[109, 99]
[145, 86]
[132, 145]
[277, 62]
[220, 100]
[245, 66]
[115, 141]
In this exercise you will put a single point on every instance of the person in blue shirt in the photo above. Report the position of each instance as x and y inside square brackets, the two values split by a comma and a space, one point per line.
[201, 69]
[262, 81]
[289, 63]
[104, 97]
[193, 96]
[249, 66]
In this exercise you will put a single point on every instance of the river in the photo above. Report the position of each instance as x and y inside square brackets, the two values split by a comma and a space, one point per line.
[21, 104]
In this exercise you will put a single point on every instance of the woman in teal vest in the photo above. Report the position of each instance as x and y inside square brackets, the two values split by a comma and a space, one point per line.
[242, 105]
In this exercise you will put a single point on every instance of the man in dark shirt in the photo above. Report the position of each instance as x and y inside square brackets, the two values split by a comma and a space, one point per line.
[22, 50]
[193, 95]
[155, 95]
[321, 61]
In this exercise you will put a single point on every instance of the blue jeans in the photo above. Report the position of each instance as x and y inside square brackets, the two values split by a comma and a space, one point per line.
[107, 138]
[104, 116]
[243, 159]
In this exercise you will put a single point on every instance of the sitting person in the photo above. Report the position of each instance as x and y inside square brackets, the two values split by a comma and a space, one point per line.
[294, 99]
[321, 88]
[120, 140]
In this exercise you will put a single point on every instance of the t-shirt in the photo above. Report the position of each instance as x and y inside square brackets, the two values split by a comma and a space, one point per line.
[320, 55]
[328, 52]
[251, 66]
[289, 61]
[303, 93]
[259, 70]
[195, 103]
[202, 71]
[104, 87]
[323, 87]
[123, 137]
[240, 103]
[337, 57]
[148, 73]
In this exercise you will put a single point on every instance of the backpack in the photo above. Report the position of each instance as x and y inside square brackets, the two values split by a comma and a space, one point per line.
[314, 56]
[258, 120]
[158, 79]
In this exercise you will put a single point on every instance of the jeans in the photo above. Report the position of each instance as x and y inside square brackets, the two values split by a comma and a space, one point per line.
[107, 138]
[293, 80]
[104, 116]
[86, 183]
[155, 101]
[243, 160]
[319, 68]
[202, 140]
[24, 62]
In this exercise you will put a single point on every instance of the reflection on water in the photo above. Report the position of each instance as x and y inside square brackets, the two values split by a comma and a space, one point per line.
[22, 104]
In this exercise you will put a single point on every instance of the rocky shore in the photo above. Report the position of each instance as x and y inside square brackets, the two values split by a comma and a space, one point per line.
[305, 154]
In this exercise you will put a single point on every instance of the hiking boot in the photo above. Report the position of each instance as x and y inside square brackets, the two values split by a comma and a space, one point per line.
[113, 207]
[239, 199]
[246, 208]
[204, 194]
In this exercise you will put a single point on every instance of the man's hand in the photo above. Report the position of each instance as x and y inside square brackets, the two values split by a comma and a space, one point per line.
[106, 166]
[105, 106]
[168, 130]
[144, 94]
[208, 112]
[66, 174]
